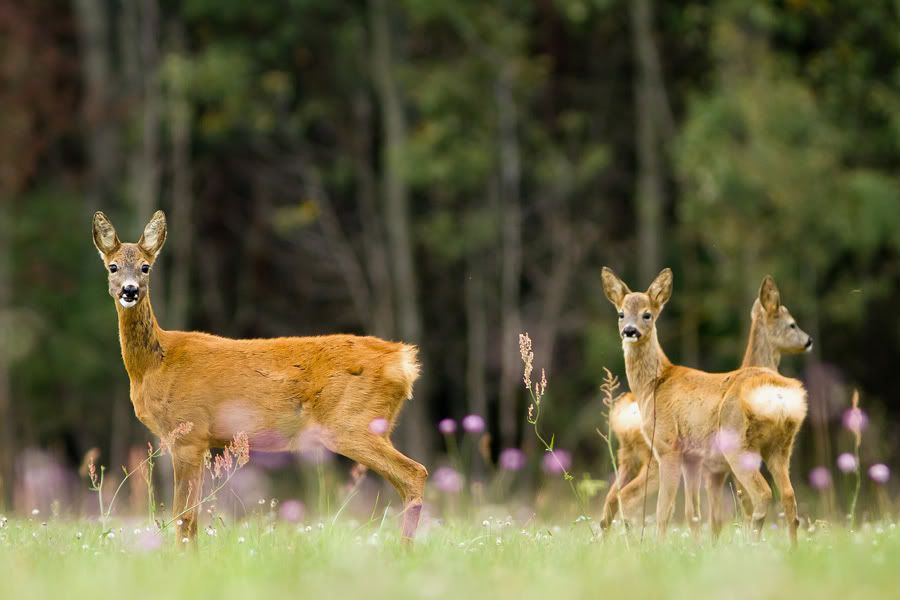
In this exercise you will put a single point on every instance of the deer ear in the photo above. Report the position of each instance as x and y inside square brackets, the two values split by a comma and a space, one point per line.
[615, 288]
[769, 296]
[154, 235]
[661, 289]
[105, 238]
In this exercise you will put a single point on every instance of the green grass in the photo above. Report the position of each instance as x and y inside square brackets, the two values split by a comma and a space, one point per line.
[261, 559]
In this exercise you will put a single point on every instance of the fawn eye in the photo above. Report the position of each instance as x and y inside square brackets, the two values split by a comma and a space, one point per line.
[621, 315]
[793, 326]
[647, 316]
[113, 268]
[145, 268]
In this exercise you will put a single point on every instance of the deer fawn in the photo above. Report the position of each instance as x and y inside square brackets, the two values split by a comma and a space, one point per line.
[349, 389]
[695, 419]
[773, 332]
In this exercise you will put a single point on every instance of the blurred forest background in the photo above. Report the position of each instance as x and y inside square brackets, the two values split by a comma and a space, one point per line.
[451, 173]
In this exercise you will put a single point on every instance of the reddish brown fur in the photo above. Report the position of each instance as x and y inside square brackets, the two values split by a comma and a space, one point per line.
[683, 409]
[773, 331]
[279, 391]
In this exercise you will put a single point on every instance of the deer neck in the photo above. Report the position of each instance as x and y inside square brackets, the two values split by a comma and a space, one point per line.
[761, 352]
[644, 365]
[139, 338]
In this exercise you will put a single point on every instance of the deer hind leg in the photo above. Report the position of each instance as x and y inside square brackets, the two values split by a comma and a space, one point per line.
[611, 503]
[759, 491]
[715, 481]
[631, 497]
[406, 475]
[691, 470]
[779, 465]
[188, 469]
[669, 475]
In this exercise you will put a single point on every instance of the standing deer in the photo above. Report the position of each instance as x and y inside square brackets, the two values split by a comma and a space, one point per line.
[348, 389]
[773, 332]
[695, 419]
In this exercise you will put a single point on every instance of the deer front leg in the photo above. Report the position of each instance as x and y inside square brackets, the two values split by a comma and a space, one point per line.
[714, 483]
[692, 481]
[669, 475]
[188, 468]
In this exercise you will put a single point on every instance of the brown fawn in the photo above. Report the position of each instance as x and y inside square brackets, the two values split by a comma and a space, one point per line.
[773, 332]
[347, 389]
[695, 420]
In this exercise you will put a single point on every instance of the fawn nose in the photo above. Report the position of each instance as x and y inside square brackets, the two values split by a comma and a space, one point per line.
[130, 292]
[809, 344]
[631, 332]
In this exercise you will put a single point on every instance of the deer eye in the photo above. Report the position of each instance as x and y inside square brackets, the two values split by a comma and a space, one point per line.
[145, 268]
[621, 315]
[647, 316]
[113, 268]
[793, 326]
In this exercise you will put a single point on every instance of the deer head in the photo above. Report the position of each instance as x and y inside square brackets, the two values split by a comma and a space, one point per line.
[781, 329]
[637, 310]
[129, 265]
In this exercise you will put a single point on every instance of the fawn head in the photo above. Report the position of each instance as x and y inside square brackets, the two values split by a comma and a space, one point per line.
[637, 310]
[781, 328]
[129, 264]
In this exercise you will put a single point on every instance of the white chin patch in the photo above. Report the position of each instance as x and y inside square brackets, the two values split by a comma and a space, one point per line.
[629, 340]
[127, 303]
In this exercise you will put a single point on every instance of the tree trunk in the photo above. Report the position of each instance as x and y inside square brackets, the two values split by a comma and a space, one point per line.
[415, 427]
[476, 336]
[180, 118]
[650, 195]
[7, 428]
[97, 110]
[511, 256]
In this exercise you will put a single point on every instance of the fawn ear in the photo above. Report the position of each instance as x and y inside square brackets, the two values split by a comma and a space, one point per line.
[154, 235]
[615, 288]
[661, 289]
[105, 238]
[769, 296]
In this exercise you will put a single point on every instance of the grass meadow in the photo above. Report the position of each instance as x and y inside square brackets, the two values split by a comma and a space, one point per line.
[460, 558]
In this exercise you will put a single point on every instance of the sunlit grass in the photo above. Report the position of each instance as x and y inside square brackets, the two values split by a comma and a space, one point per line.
[497, 557]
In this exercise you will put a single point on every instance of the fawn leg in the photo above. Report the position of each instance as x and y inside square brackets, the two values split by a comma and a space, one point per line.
[690, 469]
[188, 468]
[714, 483]
[759, 491]
[611, 503]
[631, 497]
[405, 474]
[669, 474]
[779, 466]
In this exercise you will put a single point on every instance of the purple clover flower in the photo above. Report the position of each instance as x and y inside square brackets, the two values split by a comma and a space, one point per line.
[447, 479]
[291, 511]
[512, 459]
[473, 424]
[820, 478]
[846, 462]
[447, 426]
[879, 473]
[855, 420]
[556, 462]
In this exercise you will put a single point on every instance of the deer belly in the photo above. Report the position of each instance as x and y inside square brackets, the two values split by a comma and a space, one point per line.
[269, 428]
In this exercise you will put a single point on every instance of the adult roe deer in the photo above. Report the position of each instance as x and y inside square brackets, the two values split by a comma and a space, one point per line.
[696, 419]
[773, 332]
[347, 389]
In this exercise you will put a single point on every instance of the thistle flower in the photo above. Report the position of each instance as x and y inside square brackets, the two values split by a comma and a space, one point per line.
[447, 426]
[879, 473]
[379, 426]
[556, 462]
[511, 459]
[846, 462]
[855, 420]
[291, 511]
[473, 424]
[820, 478]
[447, 480]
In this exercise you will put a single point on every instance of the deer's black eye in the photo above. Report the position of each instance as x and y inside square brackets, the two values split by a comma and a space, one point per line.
[145, 268]
[113, 268]
[793, 326]
[647, 316]
[621, 315]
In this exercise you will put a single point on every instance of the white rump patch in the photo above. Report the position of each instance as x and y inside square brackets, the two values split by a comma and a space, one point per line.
[625, 417]
[778, 402]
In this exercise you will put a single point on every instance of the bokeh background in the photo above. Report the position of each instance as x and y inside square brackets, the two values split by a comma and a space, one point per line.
[450, 173]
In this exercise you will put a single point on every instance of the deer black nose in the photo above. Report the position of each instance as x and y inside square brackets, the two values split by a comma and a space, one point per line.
[809, 343]
[631, 332]
[130, 292]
